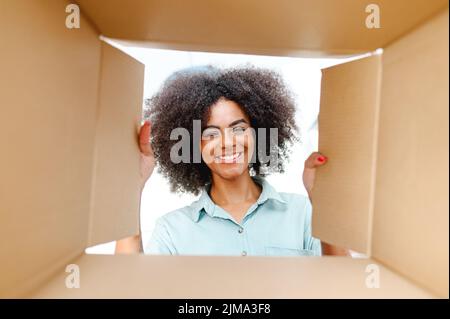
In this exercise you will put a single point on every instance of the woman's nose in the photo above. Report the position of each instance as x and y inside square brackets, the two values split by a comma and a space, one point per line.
[228, 139]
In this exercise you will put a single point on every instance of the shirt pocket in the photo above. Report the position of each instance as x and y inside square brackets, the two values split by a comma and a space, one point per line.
[287, 251]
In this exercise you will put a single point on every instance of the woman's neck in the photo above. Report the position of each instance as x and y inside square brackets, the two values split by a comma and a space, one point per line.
[242, 189]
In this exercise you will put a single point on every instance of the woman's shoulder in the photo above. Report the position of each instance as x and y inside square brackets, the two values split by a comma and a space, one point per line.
[290, 198]
[294, 198]
[180, 215]
[297, 205]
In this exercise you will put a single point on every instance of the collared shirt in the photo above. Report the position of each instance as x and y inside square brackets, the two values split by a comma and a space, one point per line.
[278, 224]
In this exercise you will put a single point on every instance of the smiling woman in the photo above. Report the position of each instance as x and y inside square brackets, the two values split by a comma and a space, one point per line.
[247, 125]
[217, 98]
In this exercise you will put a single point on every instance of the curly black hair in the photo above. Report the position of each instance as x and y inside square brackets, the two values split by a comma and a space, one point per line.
[188, 94]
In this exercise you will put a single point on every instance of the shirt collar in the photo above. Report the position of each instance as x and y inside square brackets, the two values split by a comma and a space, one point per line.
[205, 203]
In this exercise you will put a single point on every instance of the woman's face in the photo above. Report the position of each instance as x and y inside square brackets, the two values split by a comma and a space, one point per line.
[227, 141]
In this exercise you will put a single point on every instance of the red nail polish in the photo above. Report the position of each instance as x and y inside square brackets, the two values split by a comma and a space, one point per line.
[321, 159]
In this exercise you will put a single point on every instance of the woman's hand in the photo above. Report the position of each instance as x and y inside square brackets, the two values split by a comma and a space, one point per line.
[133, 244]
[147, 156]
[314, 160]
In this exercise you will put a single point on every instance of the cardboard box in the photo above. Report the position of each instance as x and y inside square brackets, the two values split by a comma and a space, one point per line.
[71, 105]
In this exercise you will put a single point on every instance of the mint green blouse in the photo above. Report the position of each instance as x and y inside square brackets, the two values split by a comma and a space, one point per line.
[278, 224]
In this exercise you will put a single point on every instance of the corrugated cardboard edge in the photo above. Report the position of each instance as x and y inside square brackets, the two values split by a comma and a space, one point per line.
[375, 156]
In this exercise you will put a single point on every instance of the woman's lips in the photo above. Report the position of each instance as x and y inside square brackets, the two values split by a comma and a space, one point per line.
[232, 158]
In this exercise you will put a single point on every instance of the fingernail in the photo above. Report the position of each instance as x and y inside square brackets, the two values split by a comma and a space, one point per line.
[321, 159]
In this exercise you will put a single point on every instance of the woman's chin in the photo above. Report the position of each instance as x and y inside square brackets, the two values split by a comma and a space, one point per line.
[231, 172]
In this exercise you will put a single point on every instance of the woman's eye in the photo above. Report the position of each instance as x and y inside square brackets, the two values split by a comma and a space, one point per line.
[208, 134]
[238, 129]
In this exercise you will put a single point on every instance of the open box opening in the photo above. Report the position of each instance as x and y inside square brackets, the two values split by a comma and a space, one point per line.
[65, 191]
[302, 77]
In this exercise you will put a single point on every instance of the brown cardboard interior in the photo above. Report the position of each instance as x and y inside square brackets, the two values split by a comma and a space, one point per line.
[144, 276]
[68, 89]
[67, 138]
[383, 162]
[410, 230]
[116, 192]
[348, 118]
[282, 27]
[49, 84]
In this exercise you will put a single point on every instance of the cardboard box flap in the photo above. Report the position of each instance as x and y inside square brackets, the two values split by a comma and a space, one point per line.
[411, 217]
[71, 107]
[48, 83]
[140, 276]
[280, 27]
[116, 186]
[348, 119]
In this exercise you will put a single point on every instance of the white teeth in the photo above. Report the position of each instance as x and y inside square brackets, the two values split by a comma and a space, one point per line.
[228, 158]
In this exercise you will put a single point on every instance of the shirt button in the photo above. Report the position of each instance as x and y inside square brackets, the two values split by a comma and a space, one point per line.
[240, 230]
[244, 253]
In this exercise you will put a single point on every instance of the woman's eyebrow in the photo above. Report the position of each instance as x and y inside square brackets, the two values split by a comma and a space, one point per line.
[229, 125]
[211, 126]
[237, 122]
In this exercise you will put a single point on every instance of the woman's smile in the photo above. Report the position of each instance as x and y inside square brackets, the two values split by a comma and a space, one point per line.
[227, 159]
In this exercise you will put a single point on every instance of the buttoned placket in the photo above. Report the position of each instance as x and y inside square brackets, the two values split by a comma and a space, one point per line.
[219, 212]
[241, 229]
[216, 211]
